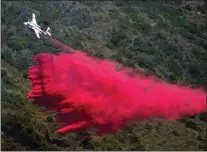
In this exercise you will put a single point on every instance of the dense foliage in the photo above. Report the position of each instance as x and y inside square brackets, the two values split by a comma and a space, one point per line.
[166, 39]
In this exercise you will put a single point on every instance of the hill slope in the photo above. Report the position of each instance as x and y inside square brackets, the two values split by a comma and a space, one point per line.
[166, 39]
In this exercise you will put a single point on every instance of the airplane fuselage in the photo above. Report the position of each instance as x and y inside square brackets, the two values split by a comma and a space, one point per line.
[35, 26]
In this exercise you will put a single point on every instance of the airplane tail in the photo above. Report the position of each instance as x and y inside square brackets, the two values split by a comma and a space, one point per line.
[48, 31]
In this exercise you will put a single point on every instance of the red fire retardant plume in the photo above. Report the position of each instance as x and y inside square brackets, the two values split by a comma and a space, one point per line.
[87, 92]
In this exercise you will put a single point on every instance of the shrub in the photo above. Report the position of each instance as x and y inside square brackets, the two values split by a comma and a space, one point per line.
[6, 55]
[15, 99]
[143, 28]
[3, 73]
[117, 36]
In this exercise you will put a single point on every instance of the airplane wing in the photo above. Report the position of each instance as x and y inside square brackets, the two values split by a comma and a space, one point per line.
[37, 33]
[34, 18]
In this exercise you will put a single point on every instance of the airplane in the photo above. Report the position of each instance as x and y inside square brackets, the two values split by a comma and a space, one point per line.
[33, 25]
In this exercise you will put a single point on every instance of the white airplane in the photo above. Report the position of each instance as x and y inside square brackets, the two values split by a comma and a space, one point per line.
[33, 25]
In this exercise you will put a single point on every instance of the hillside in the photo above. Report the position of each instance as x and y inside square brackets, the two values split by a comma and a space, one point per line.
[166, 39]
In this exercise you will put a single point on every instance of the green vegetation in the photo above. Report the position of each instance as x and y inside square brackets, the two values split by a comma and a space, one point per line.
[167, 39]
